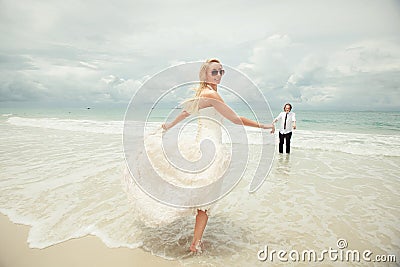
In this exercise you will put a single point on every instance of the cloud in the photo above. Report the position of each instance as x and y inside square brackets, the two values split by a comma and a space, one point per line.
[358, 75]
[272, 60]
[88, 65]
[367, 56]
[119, 90]
[312, 53]
[16, 62]
[20, 87]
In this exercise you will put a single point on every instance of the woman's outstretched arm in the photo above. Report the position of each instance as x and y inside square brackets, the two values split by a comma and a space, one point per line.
[214, 99]
[247, 122]
[183, 115]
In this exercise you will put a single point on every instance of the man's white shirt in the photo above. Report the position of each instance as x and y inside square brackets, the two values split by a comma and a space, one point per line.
[291, 117]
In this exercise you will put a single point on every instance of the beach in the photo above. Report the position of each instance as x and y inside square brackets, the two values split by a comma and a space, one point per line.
[86, 251]
[63, 196]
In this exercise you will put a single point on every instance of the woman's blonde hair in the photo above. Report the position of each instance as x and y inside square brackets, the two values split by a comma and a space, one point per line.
[192, 105]
[203, 74]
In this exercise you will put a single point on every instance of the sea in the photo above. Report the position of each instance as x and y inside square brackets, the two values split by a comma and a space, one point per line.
[333, 201]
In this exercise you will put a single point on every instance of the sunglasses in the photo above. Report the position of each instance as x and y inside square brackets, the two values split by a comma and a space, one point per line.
[215, 72]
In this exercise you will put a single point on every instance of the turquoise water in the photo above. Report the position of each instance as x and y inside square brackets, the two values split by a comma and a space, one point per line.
[355, 121]
[380, 122]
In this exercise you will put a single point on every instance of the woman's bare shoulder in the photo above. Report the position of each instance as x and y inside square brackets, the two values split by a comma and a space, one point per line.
[211, 94]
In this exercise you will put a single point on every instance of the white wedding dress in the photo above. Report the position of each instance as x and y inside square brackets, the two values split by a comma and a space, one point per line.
[199, 160]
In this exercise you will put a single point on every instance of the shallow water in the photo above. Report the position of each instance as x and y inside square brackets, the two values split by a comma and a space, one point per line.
[62, 176]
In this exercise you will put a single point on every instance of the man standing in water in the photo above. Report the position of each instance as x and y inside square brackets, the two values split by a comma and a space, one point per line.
[288, 124]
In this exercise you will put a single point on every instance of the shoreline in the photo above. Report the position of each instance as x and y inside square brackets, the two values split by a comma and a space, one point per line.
[84, 251]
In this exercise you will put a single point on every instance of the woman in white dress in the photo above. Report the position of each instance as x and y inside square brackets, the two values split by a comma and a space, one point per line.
[207, 100]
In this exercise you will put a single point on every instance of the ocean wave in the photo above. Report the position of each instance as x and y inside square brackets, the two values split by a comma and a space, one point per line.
[346, 142]
[91, 126]
[352, 143]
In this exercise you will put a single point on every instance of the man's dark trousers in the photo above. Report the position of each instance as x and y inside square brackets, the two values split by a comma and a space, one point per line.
[286, 138]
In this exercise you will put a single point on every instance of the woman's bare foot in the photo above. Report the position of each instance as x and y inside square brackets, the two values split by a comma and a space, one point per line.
[197, 247]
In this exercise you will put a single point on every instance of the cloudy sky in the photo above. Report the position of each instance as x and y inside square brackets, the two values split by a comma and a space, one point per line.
[333, 54]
